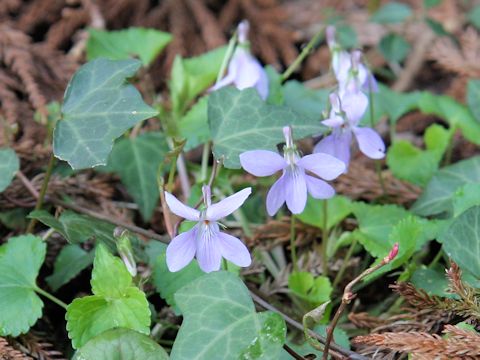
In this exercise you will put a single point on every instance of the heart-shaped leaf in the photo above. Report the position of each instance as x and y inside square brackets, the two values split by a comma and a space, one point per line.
[437, 196]
[115, 303]
[241, 121]
[220, 322]
[314, 290]
[121, 344]
[9, 165]
[136, 160]
[123, 44]
[98, 107]
[20, 306]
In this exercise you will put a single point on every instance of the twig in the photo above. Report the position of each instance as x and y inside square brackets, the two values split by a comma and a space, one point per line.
[133, 228]
[292, 352]
[28, 185]
[339, 352]
[348, 296]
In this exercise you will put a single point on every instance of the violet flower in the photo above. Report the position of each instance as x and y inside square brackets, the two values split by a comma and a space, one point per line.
[296, 179]
[244, 71]
[352, 75]
[344, 118]
[205, 240]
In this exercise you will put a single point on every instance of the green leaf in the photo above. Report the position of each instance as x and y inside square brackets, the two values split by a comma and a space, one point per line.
[456, 114]
[115, 303]
[98, 107]
[121, 344]
[474, 17]
[9, 165]
[124, 44]
[77, 228]
[417, 166]
[14, 219]
[69, 263]
[241, 121]
[473, 97]
[461, 241]
[304, 101]
[168, 283]
[391, 13]
[433, 282]
[136, 161]
[275, 88]
[20, 261]
[437, 196]
[192, 76]
[375, 225]
[194, 125]
[394, 47]
[314, 290]
[466, 197]
[346, 36]
[338, 208]
[220, 322]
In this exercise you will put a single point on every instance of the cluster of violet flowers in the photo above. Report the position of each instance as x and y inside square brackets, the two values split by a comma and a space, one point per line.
[301, 175]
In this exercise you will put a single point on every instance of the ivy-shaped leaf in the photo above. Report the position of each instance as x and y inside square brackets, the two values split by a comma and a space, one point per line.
[121, 344]
[68, 264]
[123, 44]
[461, 241]
[98, 107]
[136, 161]
[166, 282]
[115, 303]
[9, 165]
[220, 322]
[241, 121]
[20, 261]
[437, 196]
[473, 97]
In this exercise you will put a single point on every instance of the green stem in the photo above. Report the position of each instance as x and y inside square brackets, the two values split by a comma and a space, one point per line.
[225, 264]
[378, 168]
[293, 250]
[43, 191]
[436, 259]
[325, 237]
[205, 158]
[51, 297]
[340, 273]
[227, 57]
[305, 52]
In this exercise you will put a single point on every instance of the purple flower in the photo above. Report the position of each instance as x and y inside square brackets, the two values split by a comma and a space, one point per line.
[205, 240]
[244, 71]
[351, 74]
[344, 117]
[296, 179]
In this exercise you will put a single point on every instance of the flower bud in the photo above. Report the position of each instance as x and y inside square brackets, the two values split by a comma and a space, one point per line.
[393, 253]
[243, 29]
[124, 248]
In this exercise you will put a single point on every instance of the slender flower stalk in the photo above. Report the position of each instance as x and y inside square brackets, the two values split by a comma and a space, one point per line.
[244, 71]
[300, 175]
[205, 240]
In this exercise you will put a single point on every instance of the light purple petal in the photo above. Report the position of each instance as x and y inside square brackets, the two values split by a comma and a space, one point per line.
[370, 84]
[181, 250]
[208, 250]
[354, 104]
[319, 189]
[248, 69]
[262, 162]
[296, 190]
[323, 165]
[333, 121]
[337, 144]
[262, 85]
[234, 250]
[276, 195]
[180, 209]
[227, 80]
[341, 64]
[227, 205]
[369, 142]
